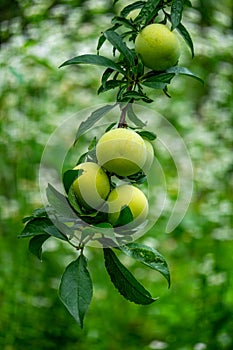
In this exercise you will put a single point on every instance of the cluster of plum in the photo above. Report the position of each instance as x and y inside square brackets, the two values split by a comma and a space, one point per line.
[120, 153]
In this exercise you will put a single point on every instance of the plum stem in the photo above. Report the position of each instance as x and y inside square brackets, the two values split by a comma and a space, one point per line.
[122, 122]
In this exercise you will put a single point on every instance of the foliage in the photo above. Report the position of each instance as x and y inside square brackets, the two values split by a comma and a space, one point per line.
[199, 249]
[127, 73]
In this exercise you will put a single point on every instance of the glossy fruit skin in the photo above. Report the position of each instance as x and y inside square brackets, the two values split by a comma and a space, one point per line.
[121, 151]
[92, 186]
[131, 196]
[158, 47]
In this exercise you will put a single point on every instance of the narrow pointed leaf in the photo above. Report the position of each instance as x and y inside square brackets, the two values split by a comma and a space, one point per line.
[35, 226]
[176, 12]
[134, 118]
[40, 212]
[129, 96]
[92, 119]
[106, 75]
[184, 71]
[82, 158]
[101, 41]
[127, 9]
[97, 60]
[92, 144]
[147, 135]
[148, 11]
[116, 40]
[35, 244]
[109, 85]
[163, 77]
[149, 257]
[154, 84]
[55, 232]
[185, 34]
[102, 38]
[123, 21]
[124, 281]
[76, 289]
[158, 81]
[59, 202]
[125, 217]
[73, 201]
[37, 213]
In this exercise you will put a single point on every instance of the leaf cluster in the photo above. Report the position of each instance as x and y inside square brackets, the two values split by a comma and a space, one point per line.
[125, 70]
[66, 220]
[76, 288]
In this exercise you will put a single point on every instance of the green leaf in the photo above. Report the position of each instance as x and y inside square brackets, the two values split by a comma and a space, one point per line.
[188, 3]
[158, 81]
[147, 135]
[154, 84]
[104, 229]
[93, 118]
[83, 213]
[76, 289]
[82, 158]
[73, 201]
[53, 231]
[97, 60]
[102, 38]
[148, 11]
[35, 244]
[39, 226]
[132, 36]
[116, 40]
[109, 85]
[35, 227]
[69, 176]
[92, 144]
[134, 95]
[124, 21]
[138, 178]
[124, 281]
[100, 42]
[59, 202]
[147, 256]
[110, 126]
[162, 77]
[185, 34]
[40, 212]
[125, 217]
[127, 9]
[120, 93]
[176, 13]
[106, 75]
[133, 117]
[27, 218]
[184, 71]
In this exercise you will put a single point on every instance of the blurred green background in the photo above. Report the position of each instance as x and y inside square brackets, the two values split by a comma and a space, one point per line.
[197, 312]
